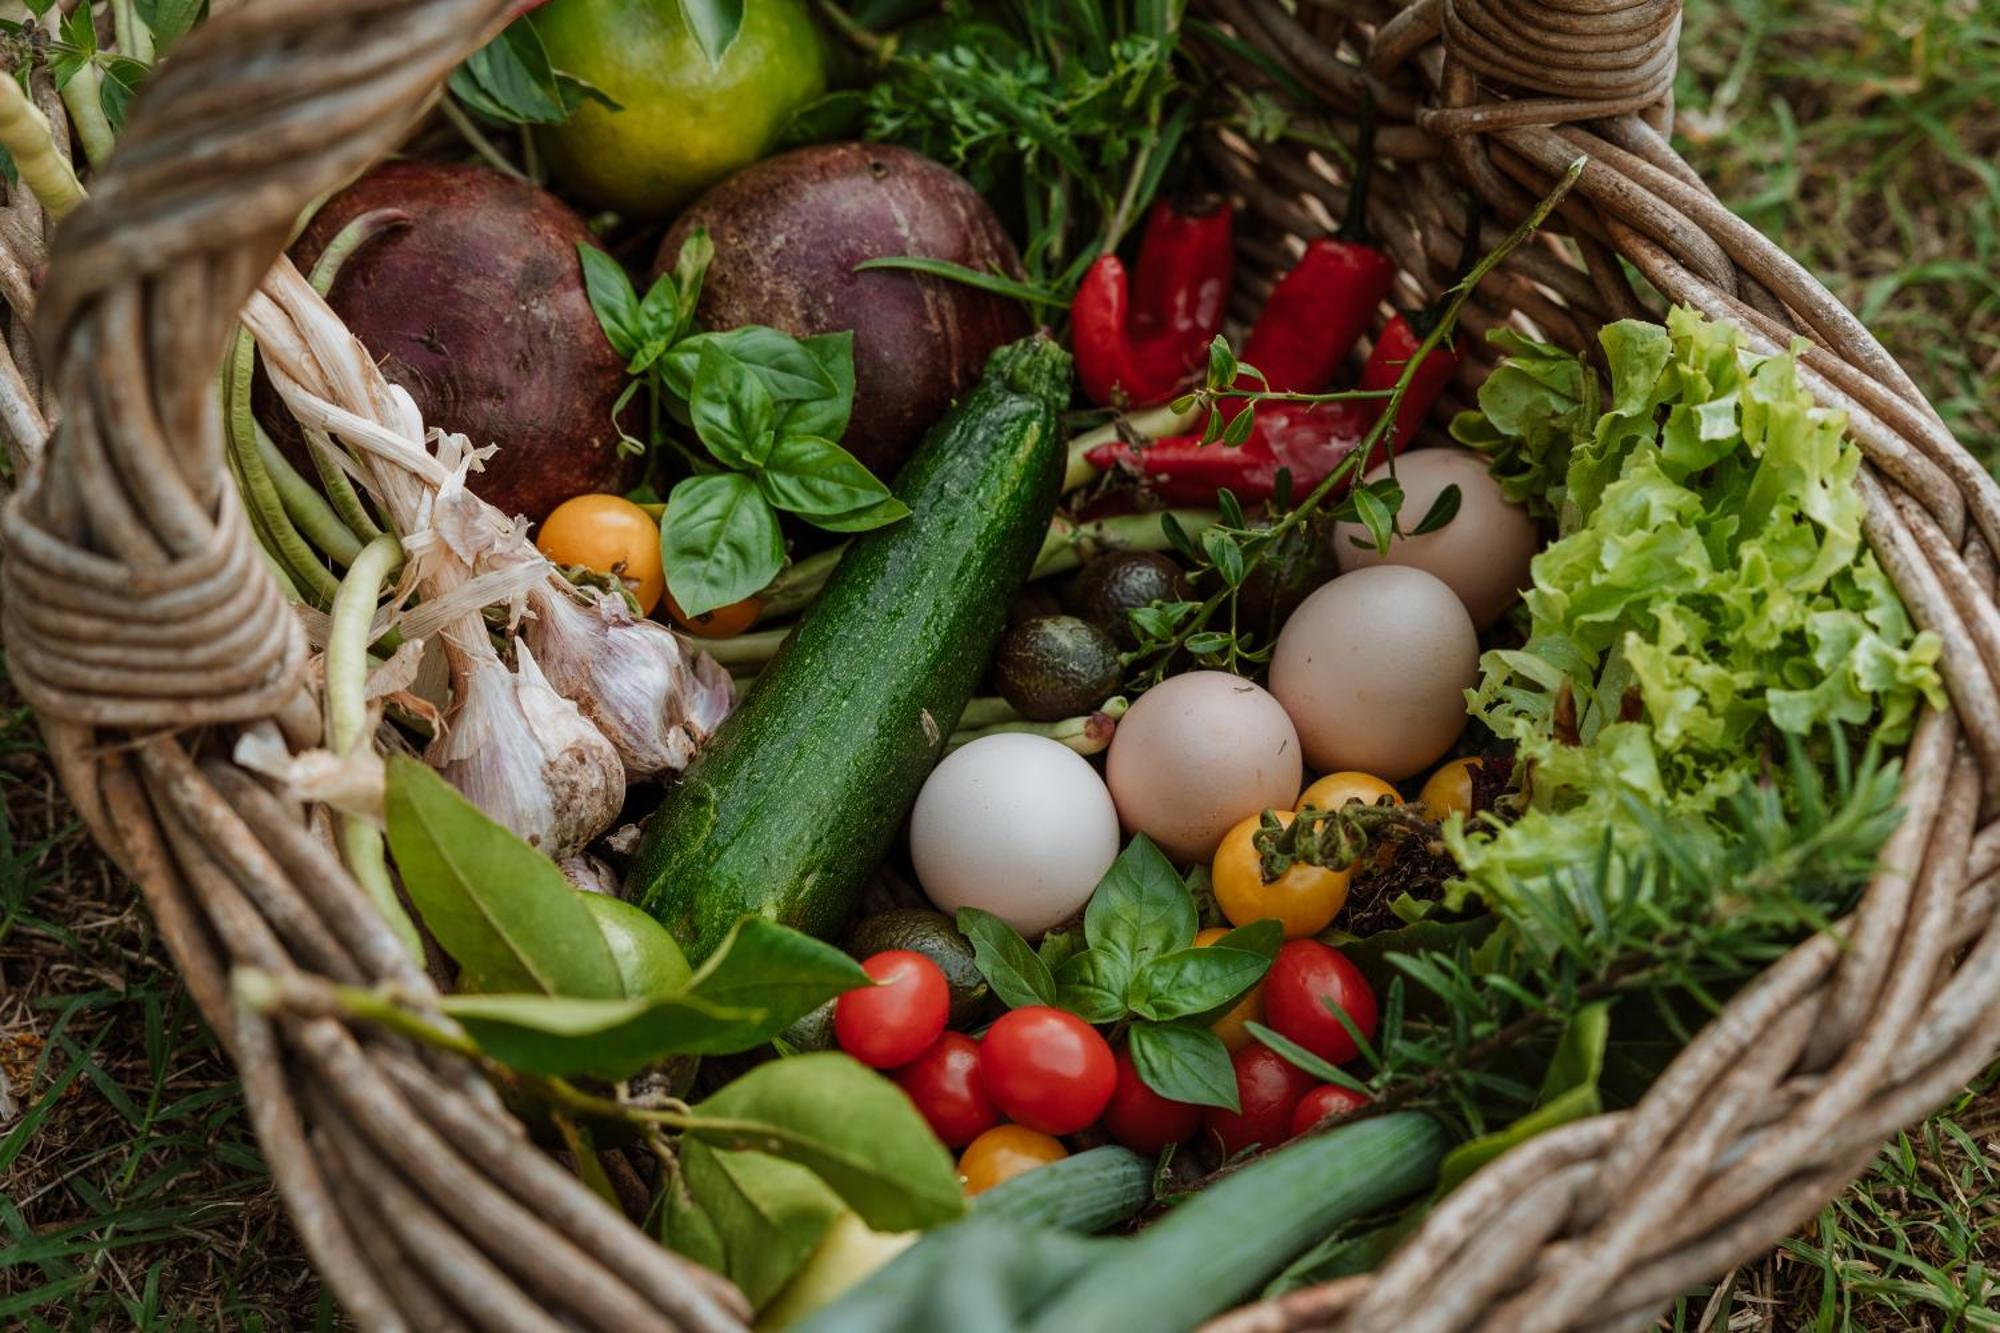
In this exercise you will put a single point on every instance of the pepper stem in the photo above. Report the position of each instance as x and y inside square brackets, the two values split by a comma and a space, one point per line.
[1354, 223]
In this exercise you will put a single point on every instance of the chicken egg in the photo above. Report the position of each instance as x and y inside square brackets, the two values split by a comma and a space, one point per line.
[1017, 825]
[1196, 755]
[1482, 554]
[1373, 670]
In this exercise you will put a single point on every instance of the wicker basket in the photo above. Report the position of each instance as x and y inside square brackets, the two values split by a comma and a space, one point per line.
[143, 629]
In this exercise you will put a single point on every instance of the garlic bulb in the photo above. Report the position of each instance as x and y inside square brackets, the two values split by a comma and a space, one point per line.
[523, 753]
[654, 699]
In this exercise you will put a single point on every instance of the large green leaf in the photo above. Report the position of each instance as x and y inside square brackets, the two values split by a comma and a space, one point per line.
[1140, 910]
[1016, 972]
[849, 1126]
[1184, 1064]
[767, 1213]
[762, 978]
[1195, 981]
[499, 907]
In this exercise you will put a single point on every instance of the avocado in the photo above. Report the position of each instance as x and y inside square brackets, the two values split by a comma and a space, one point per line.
[933, 935]
[1051, 667]
[1114, 585]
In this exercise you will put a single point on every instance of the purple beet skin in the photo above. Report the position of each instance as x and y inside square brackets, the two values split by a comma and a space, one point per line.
[788, 232]
[477, 307]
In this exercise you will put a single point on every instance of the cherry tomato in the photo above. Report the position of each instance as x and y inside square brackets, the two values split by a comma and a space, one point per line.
[1325, 1100]
[1449, 790]
[1304, 979]
[1337, 789]
[724, 622]
[611, 535]
[894, 1021]
[1047, 1069]
[1269, 1088]
[1002, 1153]
[1304, 900]
[1142, 1119]
[944, 1083]
[1250, 1009]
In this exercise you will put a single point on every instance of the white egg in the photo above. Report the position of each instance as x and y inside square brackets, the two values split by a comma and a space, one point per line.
[1482, 554]
[1017, 825]
[1373, 669]
[1199, 753]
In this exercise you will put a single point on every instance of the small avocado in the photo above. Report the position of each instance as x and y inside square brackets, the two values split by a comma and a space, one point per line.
[933, 935]
[1114, 585]
[1051, 667]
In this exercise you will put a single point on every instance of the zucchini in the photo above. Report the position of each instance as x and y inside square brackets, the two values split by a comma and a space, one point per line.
[1225, 1242]
[1087, 1192]
[797, 797]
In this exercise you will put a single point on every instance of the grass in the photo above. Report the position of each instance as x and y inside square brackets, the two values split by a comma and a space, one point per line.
[1865, 135]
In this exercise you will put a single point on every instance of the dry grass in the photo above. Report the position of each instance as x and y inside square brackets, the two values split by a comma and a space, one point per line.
[1866, 135]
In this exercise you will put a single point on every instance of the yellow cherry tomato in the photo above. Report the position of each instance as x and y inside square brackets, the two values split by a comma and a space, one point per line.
[1449, 790]
[1337, 789]
[724, 622]
[1002, 1153]
[610, 535]
[1304, 900]
[1250, 1009]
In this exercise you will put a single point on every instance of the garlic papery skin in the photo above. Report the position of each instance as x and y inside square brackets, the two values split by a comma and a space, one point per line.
[654, 698]
[522, 753]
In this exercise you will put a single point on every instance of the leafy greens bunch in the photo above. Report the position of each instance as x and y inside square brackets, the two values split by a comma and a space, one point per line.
[1134, 963]
[767, 409]
[1709, 594]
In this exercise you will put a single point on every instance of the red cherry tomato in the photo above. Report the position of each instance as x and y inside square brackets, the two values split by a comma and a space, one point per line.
[944, 1083]
[1306, 977]
[1142, 1119]
[1047, 1069]
[1269, 1088]
[894, 1021]
[1325, 1100]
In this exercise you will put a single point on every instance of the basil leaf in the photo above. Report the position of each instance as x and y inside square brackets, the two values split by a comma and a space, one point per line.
[1194, 981]
[497, 906]
[809, 475]
[1264, 937]
[732, 411]
[510, 80]
[1184, 1064]
[826, 413]
[720, 541]
[1087, 988]
[849, 1126]
[1016, 973]
[611, 298]
[768, 1214]
[690, 271]
[761, 979]
[792, 372]
[866, 519]
[1139, 910]
[714, 24]
[1301, 1058]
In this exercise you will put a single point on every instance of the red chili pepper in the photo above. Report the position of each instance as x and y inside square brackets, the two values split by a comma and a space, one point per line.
[1393, 350]
[1316, 314]
[1138, 342]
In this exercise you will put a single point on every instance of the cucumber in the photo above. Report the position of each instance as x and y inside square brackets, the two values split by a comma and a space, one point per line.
[1225, 1242]
[800, 792]
[1087, 1192]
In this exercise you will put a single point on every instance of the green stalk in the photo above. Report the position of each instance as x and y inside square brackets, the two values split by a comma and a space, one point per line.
[1069, 544]
[84, 96]
[1150, 424]
[751, 650]
[798, 583]
[347, 640]
[984, 712]
[1088, 734]
[306, 507]
[260, 492]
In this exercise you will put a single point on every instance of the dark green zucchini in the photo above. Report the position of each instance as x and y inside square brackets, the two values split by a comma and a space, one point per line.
[795, 800]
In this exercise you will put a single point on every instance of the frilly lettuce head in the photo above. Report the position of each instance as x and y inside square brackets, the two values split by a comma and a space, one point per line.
[1708, 590]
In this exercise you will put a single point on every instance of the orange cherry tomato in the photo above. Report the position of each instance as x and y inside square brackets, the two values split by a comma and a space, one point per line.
[1250, 1009]
[1337, 789]
[610, 535]
[1002, 1153]
[1449, 790]
[1304, 900]
[724, 622]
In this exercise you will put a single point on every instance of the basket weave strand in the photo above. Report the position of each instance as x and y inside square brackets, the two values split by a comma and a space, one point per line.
[144, 631]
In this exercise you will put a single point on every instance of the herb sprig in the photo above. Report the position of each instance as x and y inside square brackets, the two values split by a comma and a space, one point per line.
[767, 410]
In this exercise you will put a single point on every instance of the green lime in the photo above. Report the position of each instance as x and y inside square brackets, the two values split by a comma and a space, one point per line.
[684, 123]
[649, 962]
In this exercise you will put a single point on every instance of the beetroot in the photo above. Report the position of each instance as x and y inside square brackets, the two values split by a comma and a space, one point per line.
[788, 232]
[477, 307]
